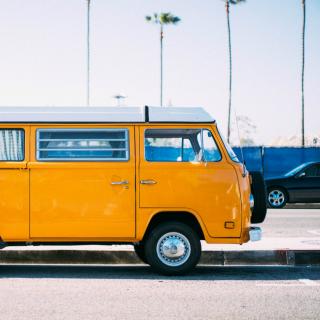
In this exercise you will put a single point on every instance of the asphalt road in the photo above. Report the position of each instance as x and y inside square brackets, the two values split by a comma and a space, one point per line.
[289, 223]
[132, 292]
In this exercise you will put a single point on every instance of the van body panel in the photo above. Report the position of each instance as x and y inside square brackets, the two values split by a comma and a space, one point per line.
[14, 204]
[82, 199]
[244, 185]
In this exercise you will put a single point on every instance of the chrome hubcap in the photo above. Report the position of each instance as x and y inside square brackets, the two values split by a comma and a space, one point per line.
[173, 249]
[276, 198]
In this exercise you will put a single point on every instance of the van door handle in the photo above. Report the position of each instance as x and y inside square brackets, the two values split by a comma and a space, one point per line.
[150, 181]
[119, 183]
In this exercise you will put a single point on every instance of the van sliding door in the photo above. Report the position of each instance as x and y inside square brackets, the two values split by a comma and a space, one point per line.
[82, 182]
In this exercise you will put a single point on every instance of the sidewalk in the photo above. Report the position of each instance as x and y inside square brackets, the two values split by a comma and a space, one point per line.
[268, 251]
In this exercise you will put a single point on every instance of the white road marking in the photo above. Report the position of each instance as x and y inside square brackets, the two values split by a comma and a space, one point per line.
[309, 282]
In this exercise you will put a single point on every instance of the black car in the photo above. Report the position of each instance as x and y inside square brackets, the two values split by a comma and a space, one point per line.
[302, 184]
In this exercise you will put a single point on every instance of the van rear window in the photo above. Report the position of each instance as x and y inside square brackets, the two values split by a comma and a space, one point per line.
[82, 145]
[11, 145]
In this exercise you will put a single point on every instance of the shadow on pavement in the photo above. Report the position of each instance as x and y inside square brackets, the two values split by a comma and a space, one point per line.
[215, 273]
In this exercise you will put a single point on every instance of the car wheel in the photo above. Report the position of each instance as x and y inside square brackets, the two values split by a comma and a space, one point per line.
[277, 198]
[139, 250]
[173, 248]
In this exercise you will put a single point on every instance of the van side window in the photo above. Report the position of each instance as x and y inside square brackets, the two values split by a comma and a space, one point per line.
[82, 145]
[180, 145]
[11, 145]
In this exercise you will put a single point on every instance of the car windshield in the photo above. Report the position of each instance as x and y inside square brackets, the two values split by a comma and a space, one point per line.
[296, 170]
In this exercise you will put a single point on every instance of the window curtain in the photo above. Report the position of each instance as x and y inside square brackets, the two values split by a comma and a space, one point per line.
[11, 145]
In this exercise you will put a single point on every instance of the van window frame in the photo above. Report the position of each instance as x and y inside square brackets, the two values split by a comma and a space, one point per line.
[23, 144]
[83, 159]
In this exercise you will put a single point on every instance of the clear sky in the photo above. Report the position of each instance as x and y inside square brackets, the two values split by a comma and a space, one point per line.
[43, 57]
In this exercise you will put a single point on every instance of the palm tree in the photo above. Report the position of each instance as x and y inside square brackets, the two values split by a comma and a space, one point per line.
[163, 18]
[227, 4]
[302, 71]
[88, 52]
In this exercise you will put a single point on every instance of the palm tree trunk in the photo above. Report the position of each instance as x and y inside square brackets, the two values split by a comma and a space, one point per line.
[88, 53]
[230, 70]
[161, 64]
[302, 71]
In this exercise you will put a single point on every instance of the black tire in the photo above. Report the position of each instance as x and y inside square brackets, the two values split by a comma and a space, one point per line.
[258, 189]
[181, 238]
[139, 250]
[277, 197]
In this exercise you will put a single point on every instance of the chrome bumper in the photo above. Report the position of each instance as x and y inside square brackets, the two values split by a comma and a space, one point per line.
[255, 233]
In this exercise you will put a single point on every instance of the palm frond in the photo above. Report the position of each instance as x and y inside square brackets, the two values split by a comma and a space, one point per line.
[154, 18]
[235, 1]
[175, 20]
[168, 18]
[163, 18]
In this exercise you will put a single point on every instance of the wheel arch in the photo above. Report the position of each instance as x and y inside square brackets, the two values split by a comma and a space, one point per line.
[186, 217]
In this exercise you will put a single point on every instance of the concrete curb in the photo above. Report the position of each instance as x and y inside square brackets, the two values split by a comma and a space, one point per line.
[250, 257]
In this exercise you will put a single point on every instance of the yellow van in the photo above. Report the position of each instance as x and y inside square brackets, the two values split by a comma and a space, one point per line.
[160, 178]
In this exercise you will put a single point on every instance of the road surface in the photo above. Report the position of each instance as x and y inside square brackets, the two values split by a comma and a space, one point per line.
[291, 223]
[135, 292]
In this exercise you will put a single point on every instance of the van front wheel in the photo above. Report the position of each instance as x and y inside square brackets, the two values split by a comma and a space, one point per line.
[173, 248]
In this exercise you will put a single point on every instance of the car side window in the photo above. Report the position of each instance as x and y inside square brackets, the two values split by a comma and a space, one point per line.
[312, 171]
[318, 171]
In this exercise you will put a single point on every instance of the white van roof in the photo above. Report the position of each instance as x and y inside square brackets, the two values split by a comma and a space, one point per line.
[102, 114]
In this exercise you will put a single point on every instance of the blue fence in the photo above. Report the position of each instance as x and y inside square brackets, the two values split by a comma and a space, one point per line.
[272, 161]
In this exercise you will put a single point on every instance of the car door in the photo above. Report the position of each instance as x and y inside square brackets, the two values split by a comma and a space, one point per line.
[14, 182]
[307, 184]
[174, 175]
[82, 182]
